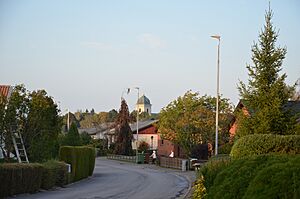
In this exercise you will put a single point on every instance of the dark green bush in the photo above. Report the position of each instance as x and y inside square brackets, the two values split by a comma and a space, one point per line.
[212, 169]
[280, 180]
[263, 176]
[264, 144]
[54, 174]
[18, 178]
[226, 148]
[82, 160]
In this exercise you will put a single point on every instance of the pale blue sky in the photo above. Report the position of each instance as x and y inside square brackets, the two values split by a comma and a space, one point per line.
[84, 53]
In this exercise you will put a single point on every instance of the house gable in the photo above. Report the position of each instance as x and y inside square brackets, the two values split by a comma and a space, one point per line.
[292, 106]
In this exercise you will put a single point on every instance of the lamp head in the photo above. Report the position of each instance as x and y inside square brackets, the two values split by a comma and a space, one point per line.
[216, 36]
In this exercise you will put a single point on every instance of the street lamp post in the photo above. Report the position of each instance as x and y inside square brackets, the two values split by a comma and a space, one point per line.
[137, 116]
[217, 100]
[137, 121]
[68, 120]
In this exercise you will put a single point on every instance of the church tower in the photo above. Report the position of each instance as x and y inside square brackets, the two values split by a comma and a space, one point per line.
[143, 105]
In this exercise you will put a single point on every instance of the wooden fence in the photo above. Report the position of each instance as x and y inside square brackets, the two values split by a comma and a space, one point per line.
[122, 157]
[175, 163]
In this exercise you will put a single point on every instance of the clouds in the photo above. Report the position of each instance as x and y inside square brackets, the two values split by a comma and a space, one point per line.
[151, 41]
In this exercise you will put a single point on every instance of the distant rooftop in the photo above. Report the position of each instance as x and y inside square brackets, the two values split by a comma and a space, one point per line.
[142, 124]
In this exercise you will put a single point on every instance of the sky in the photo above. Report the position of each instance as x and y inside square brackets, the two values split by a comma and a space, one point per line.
[86, 53]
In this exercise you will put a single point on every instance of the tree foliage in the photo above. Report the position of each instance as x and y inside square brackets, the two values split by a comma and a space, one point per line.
[72, 138]
[296, 93]
[142, 116]
[42, 127]
[123, 131]
[266, 92]
[13, 117]
[143, 146]
[85, 138]
[91, 119]
[190, 120]
[35, 116]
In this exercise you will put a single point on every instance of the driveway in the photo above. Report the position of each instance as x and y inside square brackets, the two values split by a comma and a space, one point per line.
[114, 179]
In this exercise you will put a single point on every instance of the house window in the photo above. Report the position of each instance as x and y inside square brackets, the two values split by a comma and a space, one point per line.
[140, 110]
[151, 142]
[162, 142]
[147, 111]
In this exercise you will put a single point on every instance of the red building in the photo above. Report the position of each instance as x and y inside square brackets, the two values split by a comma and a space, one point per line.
[147, 133]
[292, 106]
[165, 147]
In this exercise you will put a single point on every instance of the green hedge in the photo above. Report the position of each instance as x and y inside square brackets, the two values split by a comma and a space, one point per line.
[211, 170]
[82, 160]
[264, 176]
[18, 178]
[54, 174]
[280, 180]
[264, 144]
[225, 149]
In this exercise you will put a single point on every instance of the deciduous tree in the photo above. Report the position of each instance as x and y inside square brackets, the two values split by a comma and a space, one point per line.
[190, 120]
[42, 127]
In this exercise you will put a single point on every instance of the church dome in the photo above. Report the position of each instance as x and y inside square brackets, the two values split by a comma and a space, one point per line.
[143, 100]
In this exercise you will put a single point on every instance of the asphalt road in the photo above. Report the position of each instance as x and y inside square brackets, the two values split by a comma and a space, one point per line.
[114, 179]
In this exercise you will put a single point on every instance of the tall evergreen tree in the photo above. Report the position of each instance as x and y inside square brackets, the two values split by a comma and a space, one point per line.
[123, 131]
[266, 93]
[72, 138]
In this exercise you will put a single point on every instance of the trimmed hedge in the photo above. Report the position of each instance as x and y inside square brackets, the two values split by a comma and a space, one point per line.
[263, 176]
[264, 144]
[280, 180]
[54, 174]
[211, 170]
[82, 160]
[18, 178]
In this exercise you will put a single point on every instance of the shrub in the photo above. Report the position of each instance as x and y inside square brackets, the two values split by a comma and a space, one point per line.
[280, 180]
[143, 146]
[54, 174]
[212, 169]
[72, 138]
[226, 148]
[263, 176]
[18, 178]
[199, 188]
[266, 143]
[82, 160]
[100, 145]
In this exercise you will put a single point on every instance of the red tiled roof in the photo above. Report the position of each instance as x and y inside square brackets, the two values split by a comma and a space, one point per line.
[5, 90]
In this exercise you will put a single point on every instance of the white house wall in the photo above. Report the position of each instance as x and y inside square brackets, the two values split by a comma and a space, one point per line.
[146, 138]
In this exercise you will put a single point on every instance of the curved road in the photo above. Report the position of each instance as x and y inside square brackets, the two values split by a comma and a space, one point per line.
[114, 179]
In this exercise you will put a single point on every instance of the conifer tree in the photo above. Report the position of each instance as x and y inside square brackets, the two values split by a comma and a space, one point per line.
[72, 138]
[123, 131]
[266, 92]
